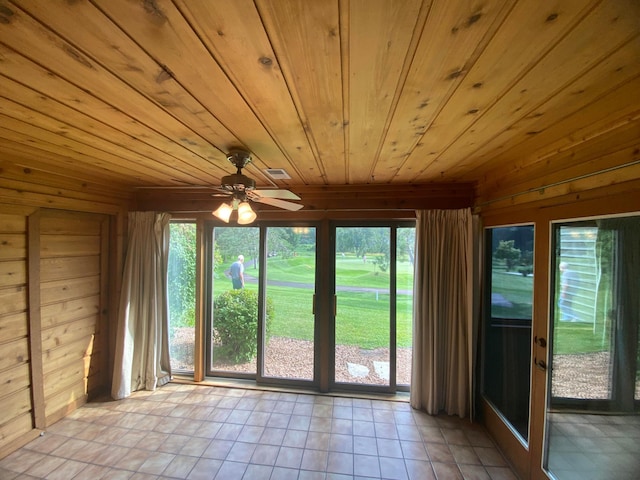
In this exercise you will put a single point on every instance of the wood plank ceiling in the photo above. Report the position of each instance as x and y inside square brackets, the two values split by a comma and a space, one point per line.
[142, 93]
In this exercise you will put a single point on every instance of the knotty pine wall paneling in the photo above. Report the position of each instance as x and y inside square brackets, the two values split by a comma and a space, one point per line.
[72, 306]
[16, 423]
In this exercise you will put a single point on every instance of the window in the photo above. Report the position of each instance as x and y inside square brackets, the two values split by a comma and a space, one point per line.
[507, 323]
[182, 295]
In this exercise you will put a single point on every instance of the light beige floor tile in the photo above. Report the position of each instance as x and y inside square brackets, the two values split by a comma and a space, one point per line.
[366, 466]
[289, 457]
[191, 432]
[447, 471]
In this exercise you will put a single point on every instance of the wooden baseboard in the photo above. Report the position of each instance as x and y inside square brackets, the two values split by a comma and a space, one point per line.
[19, 442]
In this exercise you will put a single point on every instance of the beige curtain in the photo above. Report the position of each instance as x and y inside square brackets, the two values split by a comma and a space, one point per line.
[142, 342]
[443, 331]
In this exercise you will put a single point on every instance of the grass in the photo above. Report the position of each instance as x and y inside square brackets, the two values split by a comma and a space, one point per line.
[363, 319]
[517, 289]
[351, 271]
[570, 338]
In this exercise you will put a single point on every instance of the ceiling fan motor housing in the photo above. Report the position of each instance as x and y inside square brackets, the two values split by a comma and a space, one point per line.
[238, 181]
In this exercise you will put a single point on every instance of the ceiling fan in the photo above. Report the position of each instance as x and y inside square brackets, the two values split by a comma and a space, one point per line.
[242, 189]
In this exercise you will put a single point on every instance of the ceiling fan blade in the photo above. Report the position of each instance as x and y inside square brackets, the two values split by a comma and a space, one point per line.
[276, 202]
[284, 194]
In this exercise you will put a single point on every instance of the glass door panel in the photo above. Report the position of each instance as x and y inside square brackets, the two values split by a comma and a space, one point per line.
[405, 247]
[233, 331]
[507, 323]
[362, 324]
[290, 289]
[593, 424]
[181, 292]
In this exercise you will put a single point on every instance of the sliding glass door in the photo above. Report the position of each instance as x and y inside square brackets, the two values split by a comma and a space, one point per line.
[290, 274]
[269, 319]
[592, 417]
[373, 275]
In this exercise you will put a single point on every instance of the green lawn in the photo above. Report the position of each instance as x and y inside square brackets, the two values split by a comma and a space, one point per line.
[578, 338]
[516, 289]
[568, 337]
[363, 319]
[351, 271]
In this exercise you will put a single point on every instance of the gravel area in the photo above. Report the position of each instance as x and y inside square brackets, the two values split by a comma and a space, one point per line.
[584, 375]
[290, 358]
[574, 376]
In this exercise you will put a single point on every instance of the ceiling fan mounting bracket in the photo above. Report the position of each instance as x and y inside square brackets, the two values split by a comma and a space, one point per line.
[238, 182]
[239, 158]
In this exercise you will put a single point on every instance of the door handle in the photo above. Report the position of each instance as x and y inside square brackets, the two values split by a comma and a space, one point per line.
[542, 342]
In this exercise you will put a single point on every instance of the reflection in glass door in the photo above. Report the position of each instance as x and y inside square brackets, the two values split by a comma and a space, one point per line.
[593, 422]
[405, 245]
[290, 272]
[507, 323]
[369, 262]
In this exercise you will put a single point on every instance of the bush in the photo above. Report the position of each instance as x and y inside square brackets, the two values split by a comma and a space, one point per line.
[528, 270]
[235, 324]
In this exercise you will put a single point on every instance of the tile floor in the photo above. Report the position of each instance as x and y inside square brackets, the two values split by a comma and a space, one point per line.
[592, 447]
[199, 432]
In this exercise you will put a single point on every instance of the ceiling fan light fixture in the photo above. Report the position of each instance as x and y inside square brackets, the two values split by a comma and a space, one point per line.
[246, 214]
[223, 212]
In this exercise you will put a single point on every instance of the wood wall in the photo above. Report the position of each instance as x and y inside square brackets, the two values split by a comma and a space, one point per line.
[57, 267]
[72, 283]
[15, 397]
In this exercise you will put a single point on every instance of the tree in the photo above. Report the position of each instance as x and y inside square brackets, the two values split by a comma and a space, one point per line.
[406, 241]
[233, 241]
[182, 274]
[507, 252]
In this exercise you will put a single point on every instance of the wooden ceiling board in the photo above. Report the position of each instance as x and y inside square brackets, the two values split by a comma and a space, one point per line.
[611, 182]
[18, 131]
[385, 28]
[62, 58]
[90, 31]
[232, 30]
[88, 145]
[26, 179]
[595, 154]
[160, 29]
[52, 89]
[30, 158]
[565, 78]
[449, 43]
[77, 124]
[563, 129]
[490, 95]
[306, 36]
[500, 94]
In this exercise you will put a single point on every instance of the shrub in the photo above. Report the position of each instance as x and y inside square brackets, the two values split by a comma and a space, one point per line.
[235, 324]
[527, 270]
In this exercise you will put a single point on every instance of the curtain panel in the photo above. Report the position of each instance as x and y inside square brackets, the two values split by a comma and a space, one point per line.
[142, 341]
[443, 314]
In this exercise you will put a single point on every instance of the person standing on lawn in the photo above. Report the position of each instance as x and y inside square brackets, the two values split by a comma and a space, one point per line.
[236, 272]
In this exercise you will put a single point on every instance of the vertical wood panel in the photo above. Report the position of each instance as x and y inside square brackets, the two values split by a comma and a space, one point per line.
[15, 364]
[73, 254]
